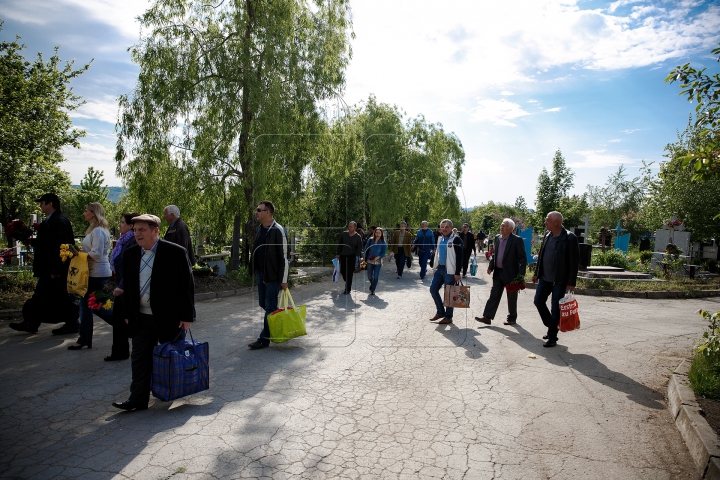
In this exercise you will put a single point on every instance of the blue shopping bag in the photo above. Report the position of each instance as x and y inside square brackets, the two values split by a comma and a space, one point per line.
[473, 267]
[180, 368]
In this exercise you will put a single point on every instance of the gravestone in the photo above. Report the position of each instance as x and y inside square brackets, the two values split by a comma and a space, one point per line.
[585, 229]
[527, 236]
[622, 242]
[670, 234]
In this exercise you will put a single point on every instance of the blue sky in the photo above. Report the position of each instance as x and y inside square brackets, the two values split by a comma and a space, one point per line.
[515, 80]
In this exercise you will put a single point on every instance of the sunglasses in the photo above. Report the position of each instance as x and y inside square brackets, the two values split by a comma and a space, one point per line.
[260, 210]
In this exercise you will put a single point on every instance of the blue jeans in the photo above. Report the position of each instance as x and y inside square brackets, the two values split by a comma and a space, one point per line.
[423, 258]
[373, 274]
[86, 313]
[400, 261]
[550, 318]
[268, 301]
[441, 278]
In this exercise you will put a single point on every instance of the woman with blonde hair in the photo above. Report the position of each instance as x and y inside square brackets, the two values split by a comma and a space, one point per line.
[97, 245]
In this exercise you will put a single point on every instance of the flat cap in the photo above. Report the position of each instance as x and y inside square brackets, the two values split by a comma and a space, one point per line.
[147, 218]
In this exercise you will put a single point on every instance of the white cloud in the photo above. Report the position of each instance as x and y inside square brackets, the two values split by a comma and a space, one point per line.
[629, 131]
[506, 93]
[532, 101]
[105, 110]
[620, 3]
[614, 140]
[499, 112]
[600, 159]
[554, 109]
[99, 156]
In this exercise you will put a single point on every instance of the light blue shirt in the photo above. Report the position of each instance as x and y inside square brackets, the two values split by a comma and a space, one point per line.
[443, 250]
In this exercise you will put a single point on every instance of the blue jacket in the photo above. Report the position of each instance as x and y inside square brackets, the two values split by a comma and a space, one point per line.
[425, 240]
[373, 249]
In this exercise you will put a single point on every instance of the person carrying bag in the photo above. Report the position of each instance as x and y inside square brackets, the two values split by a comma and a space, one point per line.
[288, 321]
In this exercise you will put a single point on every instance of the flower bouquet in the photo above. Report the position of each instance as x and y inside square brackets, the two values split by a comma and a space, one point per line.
[100, 300]
[17, 230]
[672, 249]
[518, 283]
[66, 252]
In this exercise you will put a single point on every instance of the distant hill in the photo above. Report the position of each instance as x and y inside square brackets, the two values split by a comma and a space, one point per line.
[114, 193]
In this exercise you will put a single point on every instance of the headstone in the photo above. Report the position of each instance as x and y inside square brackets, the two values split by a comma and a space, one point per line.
[622, 242]
[16, 259]
[586, 229]
[527, 236]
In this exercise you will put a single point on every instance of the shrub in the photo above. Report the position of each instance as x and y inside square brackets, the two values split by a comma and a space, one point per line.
[645, 256]
[704, 374]
[611, 258]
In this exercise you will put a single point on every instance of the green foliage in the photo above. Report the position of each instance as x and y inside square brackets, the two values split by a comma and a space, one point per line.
[703, 160]
[611, 258]
[35, 126]
[673, 193]
[646, 256]
[92, 189]
[489, 216]
[553, 187]
[704, 372]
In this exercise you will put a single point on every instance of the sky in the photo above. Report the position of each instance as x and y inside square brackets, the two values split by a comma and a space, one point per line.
[514, 80]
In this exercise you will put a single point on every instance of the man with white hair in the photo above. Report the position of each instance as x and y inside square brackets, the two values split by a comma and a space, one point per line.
[177, 231]
[556, 272]
[506, 264]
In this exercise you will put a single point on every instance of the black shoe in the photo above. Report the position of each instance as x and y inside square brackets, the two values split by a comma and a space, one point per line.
[257, 344]
[23, 327]
[111, 358]
[550, 343]
[545, 337]
[510, 322]
[65, 329]
[78, 346]
[130, 406]
[485, 320]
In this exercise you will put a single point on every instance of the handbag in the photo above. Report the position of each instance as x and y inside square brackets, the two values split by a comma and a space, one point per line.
[180, 368]
[569, 316]
[287, 322]
[457, 296]
[78, 274]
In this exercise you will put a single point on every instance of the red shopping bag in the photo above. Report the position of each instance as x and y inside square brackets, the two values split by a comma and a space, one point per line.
[569, 316]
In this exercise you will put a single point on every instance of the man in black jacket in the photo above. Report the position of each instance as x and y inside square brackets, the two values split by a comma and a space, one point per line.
[50, 301]
[556, 272]
[507, 263]
[177, 231]
[159, 300]
[269, 264]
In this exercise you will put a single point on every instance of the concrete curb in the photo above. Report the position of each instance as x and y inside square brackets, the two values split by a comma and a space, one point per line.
[596, 292]
[701, 440]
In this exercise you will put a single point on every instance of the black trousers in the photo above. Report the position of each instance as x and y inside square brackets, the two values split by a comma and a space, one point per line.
[496, 292]
[120, 345]
[347, 268]
[146, 337]
[466, 260]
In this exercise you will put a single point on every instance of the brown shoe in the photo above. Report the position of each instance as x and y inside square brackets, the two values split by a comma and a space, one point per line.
[484, 320]
[436, 317]
[445, 321]
[509, 323]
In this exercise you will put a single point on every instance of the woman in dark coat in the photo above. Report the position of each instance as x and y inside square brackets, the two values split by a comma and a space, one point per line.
[121, 346]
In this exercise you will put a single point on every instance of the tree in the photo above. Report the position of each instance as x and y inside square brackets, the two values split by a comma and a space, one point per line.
[704, 158]
[673, 193]
[35, 126]
[553, 187]
[92, 189]
[226, 101]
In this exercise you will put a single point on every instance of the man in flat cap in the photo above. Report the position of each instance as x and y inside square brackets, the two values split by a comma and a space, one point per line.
[50, 302]
[159, 300]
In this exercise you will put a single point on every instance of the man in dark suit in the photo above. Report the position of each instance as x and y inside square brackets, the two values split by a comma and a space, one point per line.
[159, 300]
[50, 301]
[507, 263]
[177, 231]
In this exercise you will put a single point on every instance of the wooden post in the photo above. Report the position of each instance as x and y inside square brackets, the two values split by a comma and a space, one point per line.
[235, 252]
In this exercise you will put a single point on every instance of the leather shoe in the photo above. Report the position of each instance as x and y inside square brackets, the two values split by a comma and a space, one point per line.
[23, 327]
[130, 406]
[509, 323]
[545, 337]
[550, 343]
[437, 317]
[78, 346]
[484, 320]
[257, 344]
[445, 321]
[111, 358]
[65, 329]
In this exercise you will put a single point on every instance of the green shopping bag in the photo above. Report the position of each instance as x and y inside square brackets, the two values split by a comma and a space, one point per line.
[288, 321]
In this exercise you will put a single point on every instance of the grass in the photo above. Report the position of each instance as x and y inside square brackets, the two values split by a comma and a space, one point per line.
[15, 288]
[704, 375]
[672, 285]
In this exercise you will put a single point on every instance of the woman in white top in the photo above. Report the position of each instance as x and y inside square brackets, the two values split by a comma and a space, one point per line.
[97, 245]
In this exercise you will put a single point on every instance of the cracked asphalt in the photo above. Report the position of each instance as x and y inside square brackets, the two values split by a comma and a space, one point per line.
[374, 391]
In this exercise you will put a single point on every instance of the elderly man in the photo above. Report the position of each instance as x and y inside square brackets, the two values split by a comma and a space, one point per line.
[270, 265]
[177, 231]
[349, 249]
[50, 301]
[447, 261]
[507, 263]
[159, 300]
[556, 272]
[425, 243]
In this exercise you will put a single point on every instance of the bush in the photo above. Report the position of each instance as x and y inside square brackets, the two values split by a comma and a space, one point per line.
[611, 258]
[704, 374]
[645, 256]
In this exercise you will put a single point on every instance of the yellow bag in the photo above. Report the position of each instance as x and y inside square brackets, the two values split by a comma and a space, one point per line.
[78, 274]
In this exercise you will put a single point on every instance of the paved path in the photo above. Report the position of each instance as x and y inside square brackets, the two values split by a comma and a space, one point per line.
[374, 391]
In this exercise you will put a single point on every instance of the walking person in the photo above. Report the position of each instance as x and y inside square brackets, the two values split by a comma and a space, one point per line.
[178, 232]
[400, 246]
[270, 265]
[447, 258]
[121, 346]
[425, 243]
[508, 262]
[375, 250]
[556, 272]
[349, 249]
[97, 246]
[481, 236]
[159, 300]
[468, 247]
